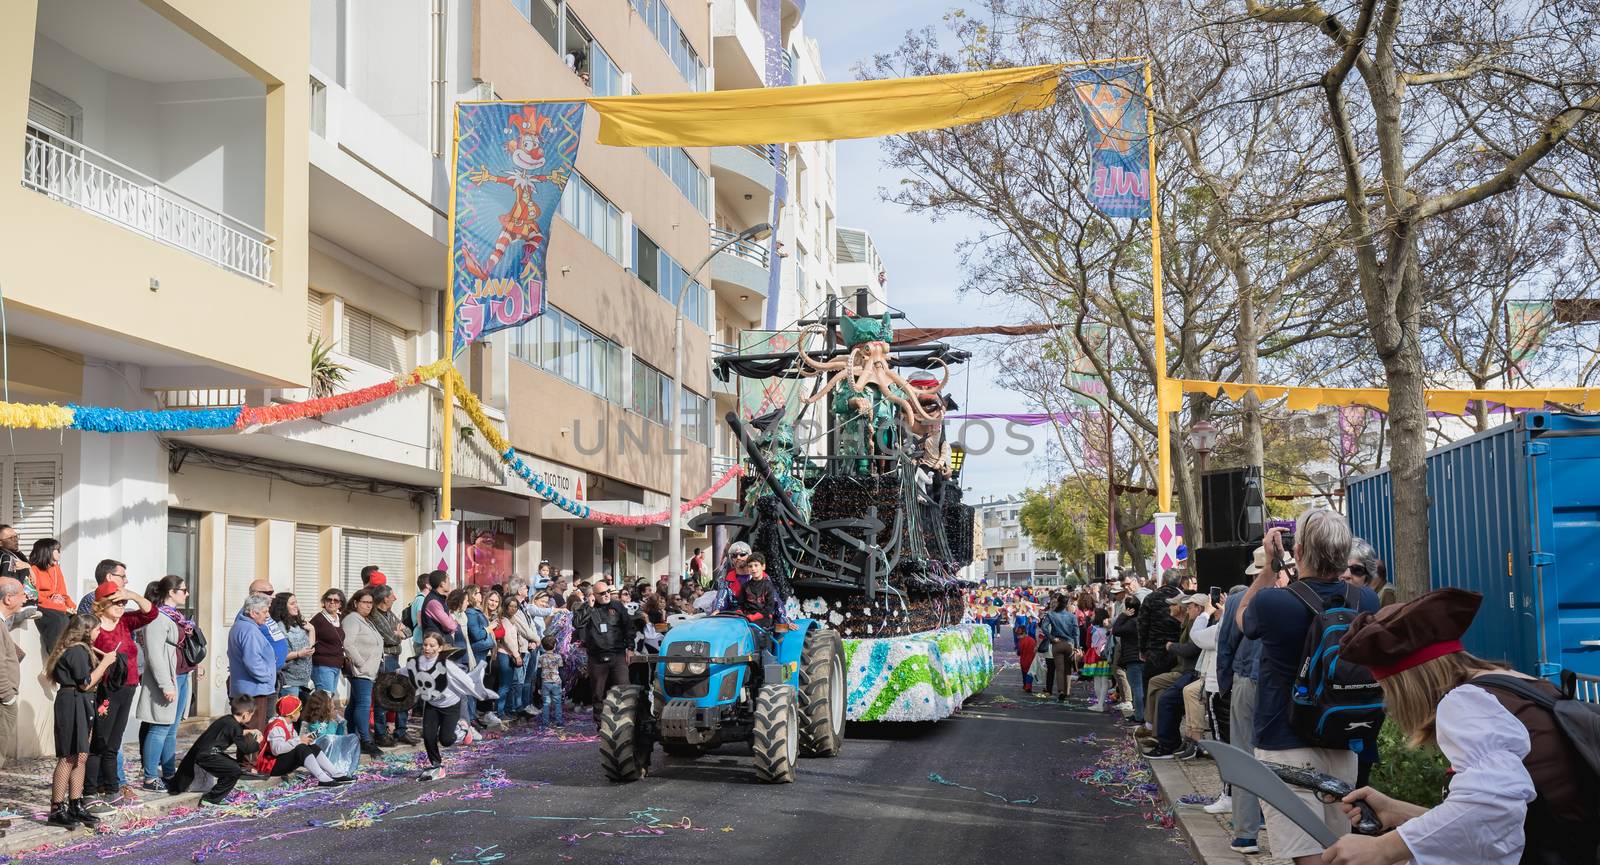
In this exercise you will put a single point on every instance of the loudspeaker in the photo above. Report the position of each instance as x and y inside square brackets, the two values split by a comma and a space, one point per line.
[1230, 499]
[1100, 571]
[1222, 565]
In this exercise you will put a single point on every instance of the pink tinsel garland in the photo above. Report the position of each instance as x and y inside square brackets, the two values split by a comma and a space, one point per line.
[664, 515]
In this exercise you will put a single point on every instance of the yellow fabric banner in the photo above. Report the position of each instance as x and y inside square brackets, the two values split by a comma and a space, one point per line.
[1438, 399]
[823, 112]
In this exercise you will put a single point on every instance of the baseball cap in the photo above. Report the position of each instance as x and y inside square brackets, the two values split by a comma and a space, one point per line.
[377, 578]
[106, 590]
[1199, 599]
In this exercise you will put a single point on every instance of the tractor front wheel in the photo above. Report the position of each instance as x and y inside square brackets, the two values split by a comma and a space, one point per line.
[822, 685]
[776, 738]
[624, 751]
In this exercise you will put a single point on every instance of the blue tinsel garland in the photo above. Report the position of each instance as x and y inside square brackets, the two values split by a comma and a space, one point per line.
[543, 489]
[113, 420]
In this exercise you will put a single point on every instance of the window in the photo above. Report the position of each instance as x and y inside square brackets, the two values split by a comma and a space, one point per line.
[592, 215]
[239, 565]
[695, 423]
[671, 37]
[388, 552]
[314, 306]
[664, 276]
[563, 346]
[371, 339]
[650, 389]
[308, 562]
[544, 15]
[605, 77]
[690, 180]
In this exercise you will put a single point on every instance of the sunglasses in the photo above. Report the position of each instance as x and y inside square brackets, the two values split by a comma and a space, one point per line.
[1358, 570]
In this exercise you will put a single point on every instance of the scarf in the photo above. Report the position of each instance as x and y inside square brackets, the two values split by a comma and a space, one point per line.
[184, 623]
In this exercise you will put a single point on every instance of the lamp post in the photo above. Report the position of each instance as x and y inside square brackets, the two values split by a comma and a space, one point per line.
[1202, 440]
[675, 408]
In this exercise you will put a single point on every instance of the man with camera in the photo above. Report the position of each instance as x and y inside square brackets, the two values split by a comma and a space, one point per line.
[1279, 618]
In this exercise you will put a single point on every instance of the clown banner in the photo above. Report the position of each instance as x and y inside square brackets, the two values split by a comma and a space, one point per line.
[512, 163]
[1112, 99]
[759, 396]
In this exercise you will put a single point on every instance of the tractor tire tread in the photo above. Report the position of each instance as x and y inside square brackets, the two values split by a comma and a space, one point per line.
[619, 744]
[821, 657]
[774, 713]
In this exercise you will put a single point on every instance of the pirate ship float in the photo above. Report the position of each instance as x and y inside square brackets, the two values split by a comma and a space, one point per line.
[862, 526]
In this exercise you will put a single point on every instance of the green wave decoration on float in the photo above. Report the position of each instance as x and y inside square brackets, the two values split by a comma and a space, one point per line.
[921, 677]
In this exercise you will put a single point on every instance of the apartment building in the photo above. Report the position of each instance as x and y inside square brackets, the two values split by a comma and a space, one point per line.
[1009, 556]
[860, 267]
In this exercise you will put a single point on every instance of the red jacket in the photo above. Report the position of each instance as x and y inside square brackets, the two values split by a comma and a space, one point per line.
[1027, 647]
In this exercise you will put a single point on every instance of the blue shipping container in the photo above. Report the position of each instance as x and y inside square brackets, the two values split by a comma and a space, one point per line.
[1513, 513]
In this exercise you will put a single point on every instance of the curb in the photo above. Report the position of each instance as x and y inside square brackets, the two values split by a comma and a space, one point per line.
[1208, 841]
[33, 834]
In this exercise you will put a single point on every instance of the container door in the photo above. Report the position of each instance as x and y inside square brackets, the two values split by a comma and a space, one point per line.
[1565, 491]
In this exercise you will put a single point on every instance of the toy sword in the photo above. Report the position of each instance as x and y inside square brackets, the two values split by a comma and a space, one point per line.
[1242, 770]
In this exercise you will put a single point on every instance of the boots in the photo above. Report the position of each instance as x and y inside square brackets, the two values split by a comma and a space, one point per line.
[61, 816]
[77, 811]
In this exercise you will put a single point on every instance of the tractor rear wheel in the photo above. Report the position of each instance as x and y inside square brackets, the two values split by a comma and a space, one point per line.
[624, 751]
[775, 740]
[822, 687]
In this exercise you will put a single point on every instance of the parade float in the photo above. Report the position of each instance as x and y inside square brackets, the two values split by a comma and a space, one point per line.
[852, 495]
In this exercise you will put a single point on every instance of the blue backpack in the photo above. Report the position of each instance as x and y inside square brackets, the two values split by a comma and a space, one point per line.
[1333, 705]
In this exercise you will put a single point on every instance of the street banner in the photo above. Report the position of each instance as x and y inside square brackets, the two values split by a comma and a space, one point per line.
[1527, 323]
[1088, 388]
[759, 396]
[1112, 100]
[512, 163]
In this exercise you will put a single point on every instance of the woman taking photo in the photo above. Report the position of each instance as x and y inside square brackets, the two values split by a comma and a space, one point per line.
[294, 680]
[55, 605]
[115, 700]
[1516, 789]
[363, 649]
[166, 680]
[327, 656]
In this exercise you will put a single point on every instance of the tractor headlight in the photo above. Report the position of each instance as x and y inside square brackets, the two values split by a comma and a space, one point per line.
[697, 668]
[686, 668]
[676, 668]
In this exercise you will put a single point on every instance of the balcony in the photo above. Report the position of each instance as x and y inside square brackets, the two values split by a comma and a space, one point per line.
[729, 491]
[740, 274]
[727, 391]
[747, 176]
[395, 440]
[73, 173]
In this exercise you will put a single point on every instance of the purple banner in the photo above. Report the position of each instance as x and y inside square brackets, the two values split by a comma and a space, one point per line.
[1112, 99]
[512, 163]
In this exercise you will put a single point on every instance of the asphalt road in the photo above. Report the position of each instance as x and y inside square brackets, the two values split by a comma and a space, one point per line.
[997, 782]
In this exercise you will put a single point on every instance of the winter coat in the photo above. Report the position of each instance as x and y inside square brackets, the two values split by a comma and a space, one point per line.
[363, 646]
[159, 657]
[1157, 628]
[1126, 630]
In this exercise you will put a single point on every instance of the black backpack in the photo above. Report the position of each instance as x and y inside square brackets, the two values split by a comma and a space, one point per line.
[1333, 705]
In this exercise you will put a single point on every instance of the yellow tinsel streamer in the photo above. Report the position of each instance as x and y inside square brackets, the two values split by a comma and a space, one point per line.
[34, 416]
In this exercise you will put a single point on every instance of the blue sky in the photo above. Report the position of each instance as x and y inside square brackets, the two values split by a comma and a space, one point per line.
[919, 255]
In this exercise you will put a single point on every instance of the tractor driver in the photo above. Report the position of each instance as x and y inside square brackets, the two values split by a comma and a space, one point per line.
[731, 588]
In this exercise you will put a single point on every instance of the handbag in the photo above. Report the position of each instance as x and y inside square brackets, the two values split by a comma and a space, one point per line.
[193, 647]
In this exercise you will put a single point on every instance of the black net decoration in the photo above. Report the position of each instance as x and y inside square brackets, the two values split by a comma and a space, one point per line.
[958, 530]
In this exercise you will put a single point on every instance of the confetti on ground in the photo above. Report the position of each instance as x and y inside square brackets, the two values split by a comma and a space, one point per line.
[648, 825]
[936, 778]
[1196, 799]
[1123, 775]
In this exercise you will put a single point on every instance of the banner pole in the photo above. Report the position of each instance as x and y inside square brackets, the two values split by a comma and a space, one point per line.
[1163, 432]
[448, 439]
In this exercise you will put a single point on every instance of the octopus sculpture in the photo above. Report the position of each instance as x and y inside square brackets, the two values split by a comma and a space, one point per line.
[866, 365]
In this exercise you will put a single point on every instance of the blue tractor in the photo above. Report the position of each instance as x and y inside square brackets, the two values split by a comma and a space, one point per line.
[713, 683]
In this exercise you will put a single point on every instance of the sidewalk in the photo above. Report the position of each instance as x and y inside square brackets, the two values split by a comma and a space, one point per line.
[1208, 835]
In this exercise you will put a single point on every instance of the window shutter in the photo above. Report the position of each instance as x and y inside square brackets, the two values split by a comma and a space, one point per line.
[357, 332]
[388, 348]
[35, 498]
[308, 565]
[50, 117]
[239, 568]
[388, 552]
[314, 305]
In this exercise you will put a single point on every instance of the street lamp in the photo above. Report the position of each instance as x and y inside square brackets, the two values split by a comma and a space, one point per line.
[1202, 440]
[675, 407]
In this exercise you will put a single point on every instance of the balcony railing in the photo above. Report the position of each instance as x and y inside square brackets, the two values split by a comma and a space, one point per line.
[721, 464]
[772, 153]
[83, 177]
[749, 250]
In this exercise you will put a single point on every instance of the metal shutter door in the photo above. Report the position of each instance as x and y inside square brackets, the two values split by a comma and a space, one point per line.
[308, 565]
[354, 558]
[50, 117]
[239, 569]
[35, 497]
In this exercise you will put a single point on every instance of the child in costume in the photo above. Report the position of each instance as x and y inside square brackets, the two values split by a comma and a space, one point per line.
[1097, 660]
[210, 752]
[323, 719]
[287, 750]
[1027, 648]
[442, 685]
